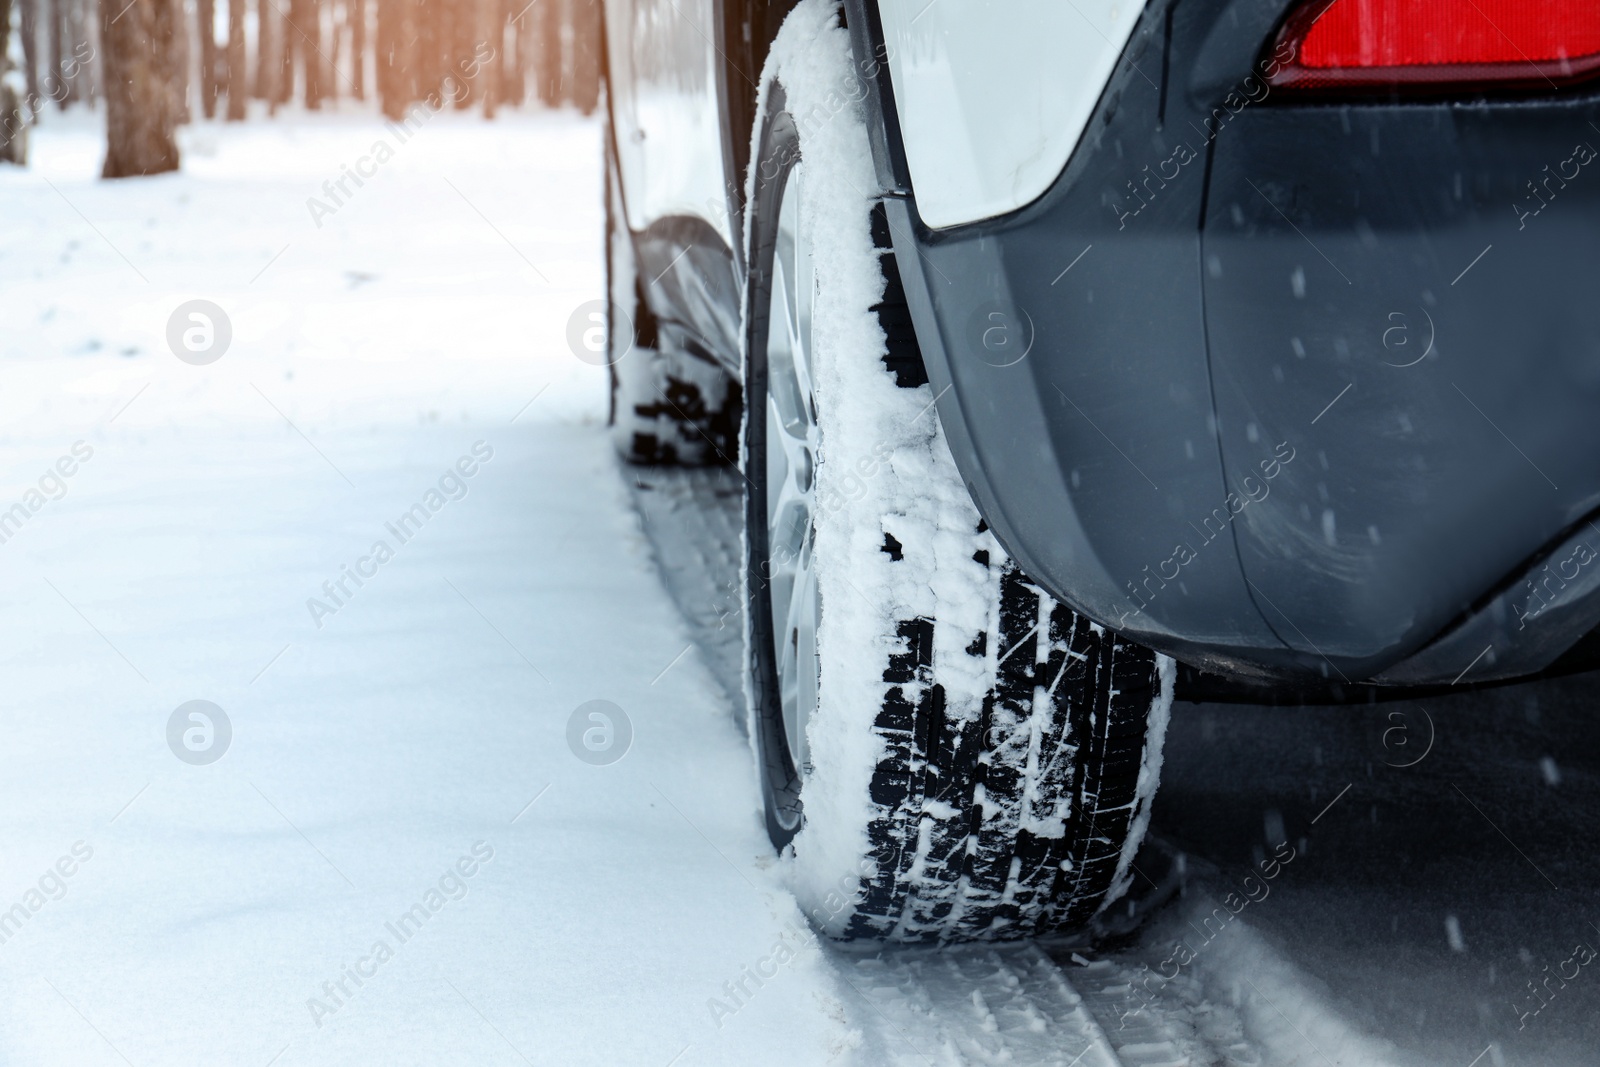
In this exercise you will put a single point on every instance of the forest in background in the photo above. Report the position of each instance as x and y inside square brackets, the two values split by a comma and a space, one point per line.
[153, 65]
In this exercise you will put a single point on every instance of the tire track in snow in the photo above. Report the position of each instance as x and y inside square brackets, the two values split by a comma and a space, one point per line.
[693, 519]
[970, 1006]
[961, 1006]
[1144, 1037]
[1236, 999]
[1025, 1003]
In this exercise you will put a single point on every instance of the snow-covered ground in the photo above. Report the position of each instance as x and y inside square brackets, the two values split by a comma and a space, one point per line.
[417, 732]
[406, 852]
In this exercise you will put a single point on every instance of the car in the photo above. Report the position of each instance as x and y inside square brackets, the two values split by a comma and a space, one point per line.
[1082, 357]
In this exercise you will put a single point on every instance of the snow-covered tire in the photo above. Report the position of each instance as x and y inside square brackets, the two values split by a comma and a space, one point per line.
[977, 760]
[667, 408]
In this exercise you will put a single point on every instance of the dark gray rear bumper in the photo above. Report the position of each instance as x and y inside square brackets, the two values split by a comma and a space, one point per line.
[1268, 419]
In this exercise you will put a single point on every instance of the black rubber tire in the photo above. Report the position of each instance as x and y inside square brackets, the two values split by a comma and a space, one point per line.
[1014, 817]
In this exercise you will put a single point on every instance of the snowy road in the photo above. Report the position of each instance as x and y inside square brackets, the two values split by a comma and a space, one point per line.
[1440, 885]
[408, 746]
[402, 855]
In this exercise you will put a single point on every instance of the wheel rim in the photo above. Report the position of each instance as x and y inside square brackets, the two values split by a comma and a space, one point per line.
[791, 458]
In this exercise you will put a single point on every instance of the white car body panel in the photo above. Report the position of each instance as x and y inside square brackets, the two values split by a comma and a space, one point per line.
[668, 131]
[994, 95]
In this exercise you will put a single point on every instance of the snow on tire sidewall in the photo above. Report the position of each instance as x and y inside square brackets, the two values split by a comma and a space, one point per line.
[884, 468]
[1160, 716]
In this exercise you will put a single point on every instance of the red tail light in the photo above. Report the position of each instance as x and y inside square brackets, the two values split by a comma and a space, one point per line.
[1419, 44]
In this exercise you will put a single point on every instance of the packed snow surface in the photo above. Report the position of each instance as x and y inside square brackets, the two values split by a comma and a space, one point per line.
[399, 858]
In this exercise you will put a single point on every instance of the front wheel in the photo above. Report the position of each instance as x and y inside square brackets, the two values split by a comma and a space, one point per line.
[668, 408]
[945, 752]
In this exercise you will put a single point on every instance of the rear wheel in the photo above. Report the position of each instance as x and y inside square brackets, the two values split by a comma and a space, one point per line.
[945, 752]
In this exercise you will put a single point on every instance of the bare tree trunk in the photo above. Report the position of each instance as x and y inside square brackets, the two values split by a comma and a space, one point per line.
[70, 76]
[141, 99]
[356, 12]
[81, 70]
[69, 67]
[305, 41]
[179, 45]
[206, 20]
[322, 51]
[508, 64]
[5, 34]
[266, 51]
[283, 58]
[426, 55]
[547, 51]
[332, 43]
[395, 49]
[522, 37]
[491, 75]
[386, 56]
[238, 80]
[259, 85]
[439, 18]
[585, 84]
[55, 87]
[30, 52]
[463, 36]
[287, 43]
[13, 128]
